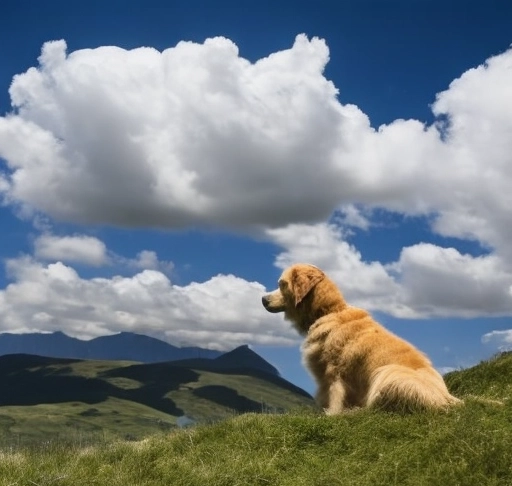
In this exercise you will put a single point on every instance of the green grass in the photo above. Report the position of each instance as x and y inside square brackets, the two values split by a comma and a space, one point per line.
[112, 418]
[469, 445]
[492, 378]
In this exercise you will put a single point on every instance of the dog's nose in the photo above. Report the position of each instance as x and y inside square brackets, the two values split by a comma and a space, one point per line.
[264, 300]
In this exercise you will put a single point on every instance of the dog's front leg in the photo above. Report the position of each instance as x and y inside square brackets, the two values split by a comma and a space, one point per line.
[331, 397]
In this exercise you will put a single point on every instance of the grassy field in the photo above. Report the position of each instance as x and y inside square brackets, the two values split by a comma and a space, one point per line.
[469, 445]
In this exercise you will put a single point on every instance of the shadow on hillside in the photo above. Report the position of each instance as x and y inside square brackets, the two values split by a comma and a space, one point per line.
[157, 380]
[214, 366]
[29, 380]
[227, 397]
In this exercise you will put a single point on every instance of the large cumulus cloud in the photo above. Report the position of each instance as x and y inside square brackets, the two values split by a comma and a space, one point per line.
[198, 135]
[194, 134]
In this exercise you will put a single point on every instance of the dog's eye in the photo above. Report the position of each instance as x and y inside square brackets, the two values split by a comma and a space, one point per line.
[282, 284]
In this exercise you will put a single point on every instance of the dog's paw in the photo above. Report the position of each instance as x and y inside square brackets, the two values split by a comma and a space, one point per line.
[333, 411]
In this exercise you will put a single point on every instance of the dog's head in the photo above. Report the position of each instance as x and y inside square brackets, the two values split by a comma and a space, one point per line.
[304, 294]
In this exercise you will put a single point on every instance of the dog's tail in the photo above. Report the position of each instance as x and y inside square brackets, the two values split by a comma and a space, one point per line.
[397, 387]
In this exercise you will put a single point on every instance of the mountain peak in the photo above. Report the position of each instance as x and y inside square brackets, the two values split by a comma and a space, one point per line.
[245, 357]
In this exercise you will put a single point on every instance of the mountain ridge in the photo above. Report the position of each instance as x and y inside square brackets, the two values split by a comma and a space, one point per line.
[121, 346]
[127, 346]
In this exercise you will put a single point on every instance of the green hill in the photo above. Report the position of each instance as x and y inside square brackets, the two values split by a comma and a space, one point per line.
[492, 378]
[43, 398]
[469, 445]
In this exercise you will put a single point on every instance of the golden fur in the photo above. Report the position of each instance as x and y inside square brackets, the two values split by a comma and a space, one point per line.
[355, 361]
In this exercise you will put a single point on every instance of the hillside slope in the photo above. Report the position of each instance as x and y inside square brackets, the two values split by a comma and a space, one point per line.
[49, 396]
[491, 378]
[467, 446]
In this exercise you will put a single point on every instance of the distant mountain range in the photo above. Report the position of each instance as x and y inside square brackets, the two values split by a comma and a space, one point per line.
[122, 346]
[127, 346]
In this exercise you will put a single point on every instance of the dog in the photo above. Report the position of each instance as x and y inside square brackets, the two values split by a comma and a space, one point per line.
[355, 361]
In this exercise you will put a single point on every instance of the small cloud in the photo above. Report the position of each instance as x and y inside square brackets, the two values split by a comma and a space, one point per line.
[352, 216]
[71, 249]
[144, 260]
[91, 251]
[500, 340]
[443, 282]
[446, 369]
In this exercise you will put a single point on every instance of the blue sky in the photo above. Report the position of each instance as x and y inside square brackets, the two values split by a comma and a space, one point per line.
[161, 162]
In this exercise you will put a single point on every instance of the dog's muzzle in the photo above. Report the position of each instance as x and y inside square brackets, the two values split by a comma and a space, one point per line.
[266, 300]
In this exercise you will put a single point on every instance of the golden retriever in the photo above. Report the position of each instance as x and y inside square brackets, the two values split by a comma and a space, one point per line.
[355, 361]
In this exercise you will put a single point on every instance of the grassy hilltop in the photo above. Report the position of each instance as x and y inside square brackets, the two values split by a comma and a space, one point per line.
[469, 445]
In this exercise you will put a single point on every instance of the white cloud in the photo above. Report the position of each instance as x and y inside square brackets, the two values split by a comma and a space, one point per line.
[443, 282]
[221, 313]
[144, 260]
[80, 248]
[426, 281]
[226, 311]
[365, 284]
[92, 251]
[352, 216]
[192, 135]
[147, 259]
[197, 134]
[446, 369]
[501, 340]
[480, 150]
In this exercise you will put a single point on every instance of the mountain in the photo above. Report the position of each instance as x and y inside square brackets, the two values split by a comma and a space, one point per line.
[122, 346]
[43, 396]
[55, 344]
[127, 346]
[244, 357]
[239, 358]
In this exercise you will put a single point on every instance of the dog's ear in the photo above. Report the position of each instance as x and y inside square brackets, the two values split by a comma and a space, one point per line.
[303, 280]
